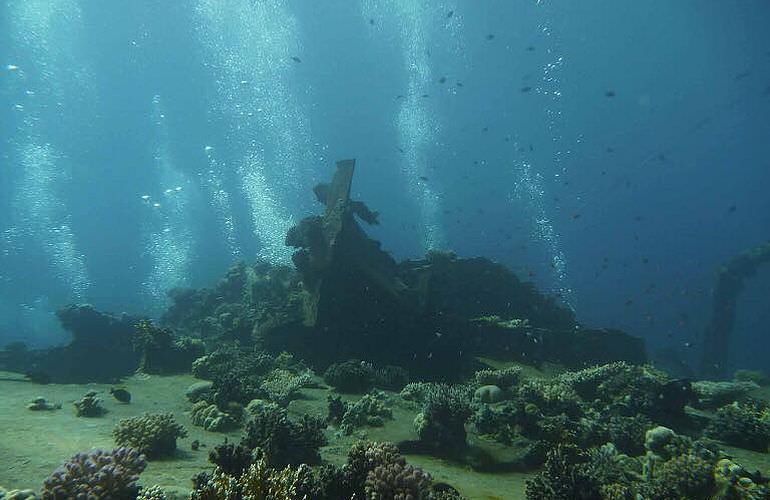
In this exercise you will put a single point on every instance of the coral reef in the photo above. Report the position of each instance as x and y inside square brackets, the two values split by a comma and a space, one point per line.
[89, 406]
[441, 424]
[504, 379]
[281, 385]
[370, 410]
[489, 394]
[282, 440]
[397, 480]
[98, 474]
[210, 418]
[40, 404]
[241, 375]
[154, 435]
[152, 493]
[352, 376]
[757, 376]
[712, 395]
[161, 352]
[17, 494]
[199, 391]
[743, 424]
[257, 482]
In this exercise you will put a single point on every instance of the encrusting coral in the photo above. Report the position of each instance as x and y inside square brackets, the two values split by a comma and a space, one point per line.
[97, 474]
[154, 435]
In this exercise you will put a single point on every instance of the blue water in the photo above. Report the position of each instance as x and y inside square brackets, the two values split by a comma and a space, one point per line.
[615, 153]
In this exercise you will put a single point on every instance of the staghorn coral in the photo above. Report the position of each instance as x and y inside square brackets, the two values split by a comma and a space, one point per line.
[282, 440]
[210, 418]
[746, 425]
[153, 434]
[97, 474]
[89, 406]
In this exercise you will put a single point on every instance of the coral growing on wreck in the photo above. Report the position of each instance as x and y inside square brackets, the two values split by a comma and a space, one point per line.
[153, 434]
[97, 474]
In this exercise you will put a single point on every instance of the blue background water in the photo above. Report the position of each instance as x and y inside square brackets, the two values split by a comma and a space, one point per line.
[625, 205]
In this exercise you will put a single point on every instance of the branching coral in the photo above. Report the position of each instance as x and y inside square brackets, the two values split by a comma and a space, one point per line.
[282, 440]
[98, 474]
[370, 410]
[503, 379]
[281, 385]
[441, 423]
[154, 435]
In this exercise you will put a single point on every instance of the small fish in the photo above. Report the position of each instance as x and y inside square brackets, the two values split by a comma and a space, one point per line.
[442, 79]
[145, 197]
[610, 150]
[450, 14]
[485, 129]
[371, 21]
[490, 36]
[645, 260]
[400, 96]
[460, 84]
[742, 75]
[423, 178]
[576, 217]
[296, 59]
[121, 394]
[526, 89]
[609, 93]
[629, 302]
[400, 150]
[425, 95]
[531, 48]
[12, 67]
[688, 344]
[732, 209]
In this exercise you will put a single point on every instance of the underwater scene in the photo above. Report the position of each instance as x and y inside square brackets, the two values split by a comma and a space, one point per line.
[384, 249]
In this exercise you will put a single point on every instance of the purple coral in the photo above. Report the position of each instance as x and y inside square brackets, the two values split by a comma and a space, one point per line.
[97, 474]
